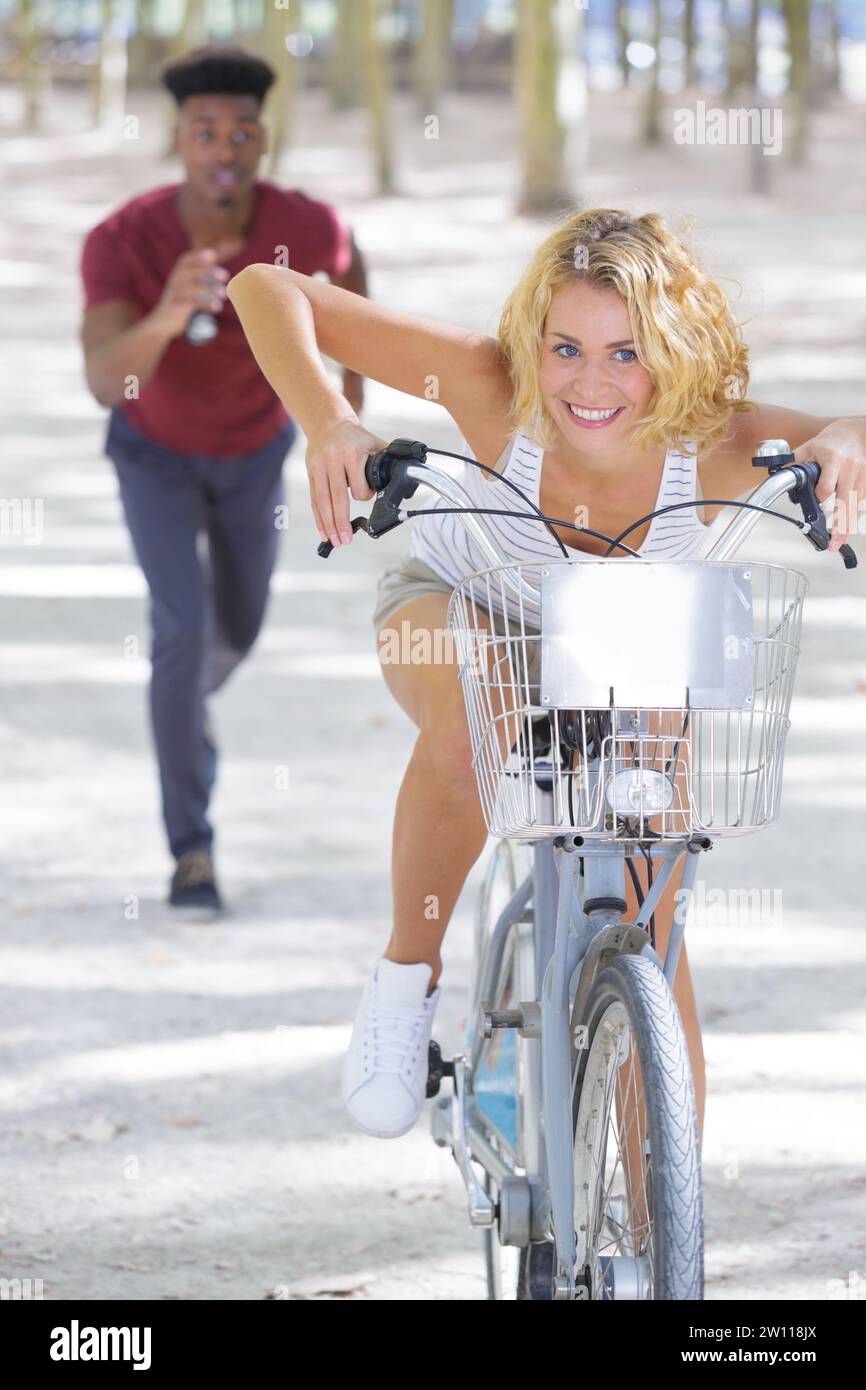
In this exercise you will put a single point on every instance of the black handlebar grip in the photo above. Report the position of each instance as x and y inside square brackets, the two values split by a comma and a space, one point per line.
[379, 467]
[377, 470]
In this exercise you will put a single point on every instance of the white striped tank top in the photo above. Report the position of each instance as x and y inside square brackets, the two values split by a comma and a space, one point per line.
[443, 543]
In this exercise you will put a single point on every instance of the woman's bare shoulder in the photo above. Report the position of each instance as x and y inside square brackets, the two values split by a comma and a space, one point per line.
[482, 412]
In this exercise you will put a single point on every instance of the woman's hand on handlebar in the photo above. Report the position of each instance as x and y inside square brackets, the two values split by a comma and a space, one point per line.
[840, 450]
[336, 458]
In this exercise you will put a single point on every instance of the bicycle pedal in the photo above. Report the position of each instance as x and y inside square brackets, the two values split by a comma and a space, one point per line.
[526, 1019]
[435, 1069]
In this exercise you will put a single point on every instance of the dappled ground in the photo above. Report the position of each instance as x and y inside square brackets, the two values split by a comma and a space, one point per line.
[172, 1124]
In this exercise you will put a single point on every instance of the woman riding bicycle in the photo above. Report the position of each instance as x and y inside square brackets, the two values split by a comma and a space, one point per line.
[616, 385]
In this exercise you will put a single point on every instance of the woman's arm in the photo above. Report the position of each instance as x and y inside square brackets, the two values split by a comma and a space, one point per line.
[290, 318]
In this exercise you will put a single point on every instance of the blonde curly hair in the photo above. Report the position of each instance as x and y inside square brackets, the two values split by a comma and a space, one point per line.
[684, 333]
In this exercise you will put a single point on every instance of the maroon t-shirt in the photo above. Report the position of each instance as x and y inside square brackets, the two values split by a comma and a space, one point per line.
[209, 398]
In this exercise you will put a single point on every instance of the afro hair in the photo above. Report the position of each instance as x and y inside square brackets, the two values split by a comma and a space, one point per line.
[218, 72]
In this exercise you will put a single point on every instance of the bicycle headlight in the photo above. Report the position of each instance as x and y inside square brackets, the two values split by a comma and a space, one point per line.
[639, 790]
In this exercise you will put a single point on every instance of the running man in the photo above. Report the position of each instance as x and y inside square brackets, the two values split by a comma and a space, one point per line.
[196, 434]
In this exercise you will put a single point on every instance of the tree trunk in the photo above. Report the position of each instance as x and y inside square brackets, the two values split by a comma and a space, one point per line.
[109, 75]
[622, 39]
[33, 74]
[797, 20]
[278, 24]
[193, 32]
[374, 65]
[758, 160]
[571, 90]
[542, 138]
[834, 44]
[344, 70]
[432, 54]
[652, 114]
[141, 45]
[689, 41]
[739, 60]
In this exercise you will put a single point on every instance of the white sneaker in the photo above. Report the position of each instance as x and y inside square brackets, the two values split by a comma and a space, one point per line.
[384, 1079]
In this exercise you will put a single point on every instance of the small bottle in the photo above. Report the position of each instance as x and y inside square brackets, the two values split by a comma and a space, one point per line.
[202, 327]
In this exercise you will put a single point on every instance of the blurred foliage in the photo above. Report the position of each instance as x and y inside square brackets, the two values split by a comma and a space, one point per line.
[546, 55]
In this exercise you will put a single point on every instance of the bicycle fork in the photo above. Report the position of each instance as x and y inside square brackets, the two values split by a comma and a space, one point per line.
[585, 932]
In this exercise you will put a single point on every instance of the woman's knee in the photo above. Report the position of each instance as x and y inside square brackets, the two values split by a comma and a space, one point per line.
[444, 750]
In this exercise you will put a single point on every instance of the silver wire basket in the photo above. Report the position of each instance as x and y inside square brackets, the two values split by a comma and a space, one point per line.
[628, 699]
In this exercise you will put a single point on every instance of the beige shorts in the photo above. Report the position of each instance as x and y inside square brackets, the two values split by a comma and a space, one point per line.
[404, 582]
[411, 579]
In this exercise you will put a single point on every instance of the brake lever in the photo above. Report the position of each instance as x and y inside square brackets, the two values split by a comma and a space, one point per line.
[390, 471]
[774, 454]
[805, 496]
[384, 517]
[359, 523]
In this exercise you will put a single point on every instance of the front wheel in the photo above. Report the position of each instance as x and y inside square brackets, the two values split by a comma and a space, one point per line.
[637, 1174]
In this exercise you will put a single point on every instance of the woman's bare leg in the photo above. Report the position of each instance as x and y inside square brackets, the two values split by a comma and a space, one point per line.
[439, 828]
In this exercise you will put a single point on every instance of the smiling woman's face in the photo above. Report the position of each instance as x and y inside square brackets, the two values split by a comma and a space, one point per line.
[593, 385]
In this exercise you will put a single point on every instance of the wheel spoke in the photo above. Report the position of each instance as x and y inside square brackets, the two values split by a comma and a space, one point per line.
[619, 1205]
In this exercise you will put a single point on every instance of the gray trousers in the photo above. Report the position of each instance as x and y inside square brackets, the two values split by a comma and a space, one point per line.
[205, 609]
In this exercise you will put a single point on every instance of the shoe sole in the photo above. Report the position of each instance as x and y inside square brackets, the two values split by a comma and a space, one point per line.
[197, 911]
[384, 1133]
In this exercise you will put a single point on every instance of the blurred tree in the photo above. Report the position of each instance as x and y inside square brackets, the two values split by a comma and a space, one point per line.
[109, 71]
[141, 45]
[652, 111]
[739, 52]
[622, 39]
[33, 73]
[374, 66]
[278, 43]
[797, 19]
[432, 54]
[689, 41]
[760, 173]
[542, 138]
[344, 67]
[193, 29]
[833, 6]
[571, 87]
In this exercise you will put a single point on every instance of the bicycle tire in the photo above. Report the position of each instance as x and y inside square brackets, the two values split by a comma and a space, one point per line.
[635, 985]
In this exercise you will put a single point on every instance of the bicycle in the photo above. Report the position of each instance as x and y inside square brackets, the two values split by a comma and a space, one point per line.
[574, 1094]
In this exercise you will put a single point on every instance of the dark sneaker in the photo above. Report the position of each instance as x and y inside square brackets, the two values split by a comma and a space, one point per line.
[193, 884]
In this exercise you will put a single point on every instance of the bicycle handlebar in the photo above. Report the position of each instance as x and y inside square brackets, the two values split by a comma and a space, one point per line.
[395, 472]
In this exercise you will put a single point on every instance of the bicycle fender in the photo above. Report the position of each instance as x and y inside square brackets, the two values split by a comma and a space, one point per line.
[619, 939]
